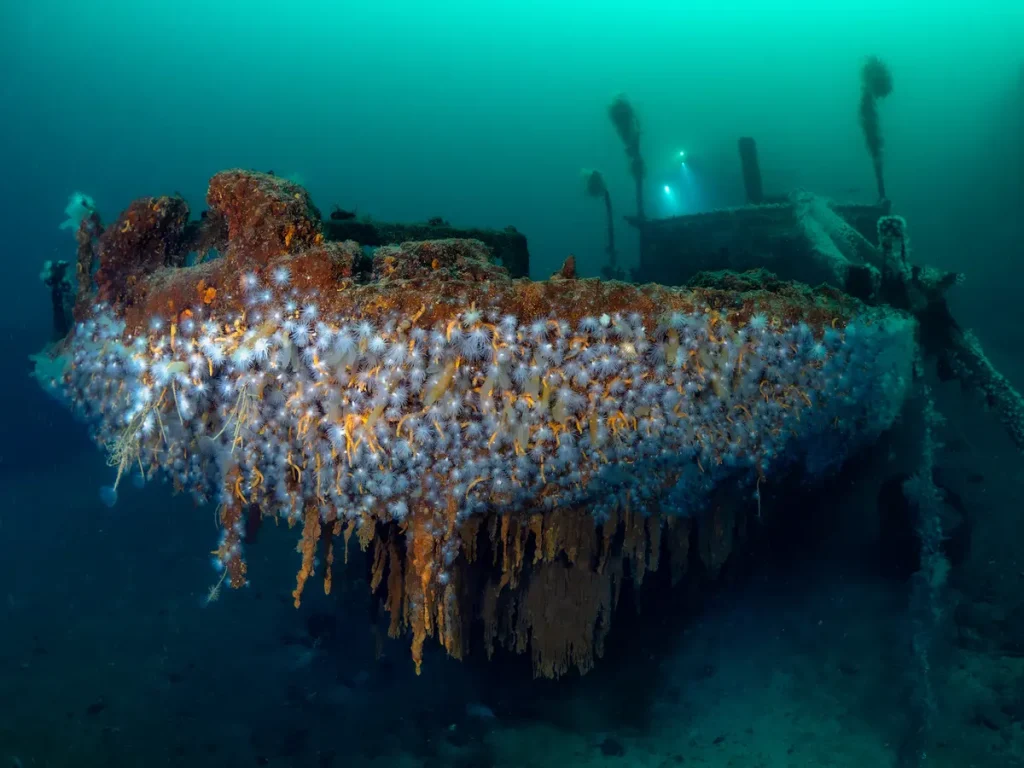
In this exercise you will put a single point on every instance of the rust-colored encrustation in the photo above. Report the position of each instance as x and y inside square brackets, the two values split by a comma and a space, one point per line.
[506, 451]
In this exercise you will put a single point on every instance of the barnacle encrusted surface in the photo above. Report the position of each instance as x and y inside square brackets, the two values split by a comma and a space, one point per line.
[573, 427]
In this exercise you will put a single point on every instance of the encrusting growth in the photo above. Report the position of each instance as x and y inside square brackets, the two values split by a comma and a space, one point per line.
[506, 451]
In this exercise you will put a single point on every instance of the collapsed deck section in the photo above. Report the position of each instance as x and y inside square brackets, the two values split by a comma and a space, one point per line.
[508, 450]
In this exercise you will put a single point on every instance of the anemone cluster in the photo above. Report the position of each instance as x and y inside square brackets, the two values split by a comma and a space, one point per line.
[284, 407]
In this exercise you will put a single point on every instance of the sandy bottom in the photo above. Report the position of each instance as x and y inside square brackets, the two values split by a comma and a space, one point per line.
[108, 658]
